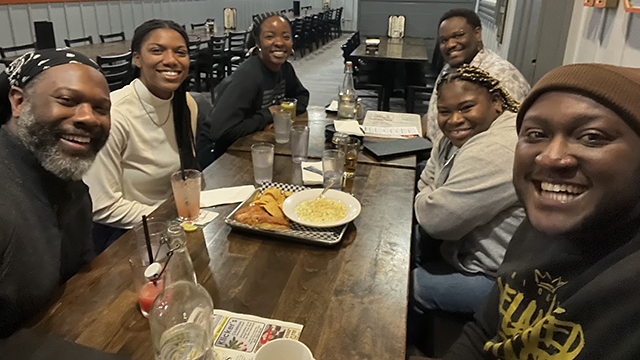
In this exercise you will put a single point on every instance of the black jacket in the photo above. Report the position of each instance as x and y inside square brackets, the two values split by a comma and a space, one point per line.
[241, 106]
[45, 233]
[560, 299]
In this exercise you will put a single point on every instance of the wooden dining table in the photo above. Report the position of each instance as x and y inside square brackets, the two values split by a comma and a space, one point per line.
[351, 297]
[393, 51]
[317, 119]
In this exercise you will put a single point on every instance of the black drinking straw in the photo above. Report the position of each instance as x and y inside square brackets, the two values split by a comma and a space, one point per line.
[147, 238]
[184, 178]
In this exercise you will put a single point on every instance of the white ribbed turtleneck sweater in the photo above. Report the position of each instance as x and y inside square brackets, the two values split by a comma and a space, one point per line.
[130, 176]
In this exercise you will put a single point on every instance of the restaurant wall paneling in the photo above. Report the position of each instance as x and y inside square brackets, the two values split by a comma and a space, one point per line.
[421, 15]
[83, 18]
[609, 36]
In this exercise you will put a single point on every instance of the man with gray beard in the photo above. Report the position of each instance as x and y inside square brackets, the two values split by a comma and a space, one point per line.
[54, 107]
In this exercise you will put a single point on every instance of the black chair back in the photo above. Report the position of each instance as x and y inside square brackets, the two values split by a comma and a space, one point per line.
[238, 43]
[198, 25]
[16, 50]
[112, 37]
[79, 41]
[117, 69]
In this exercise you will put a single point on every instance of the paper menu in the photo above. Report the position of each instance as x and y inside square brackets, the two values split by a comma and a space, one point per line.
[392, 125]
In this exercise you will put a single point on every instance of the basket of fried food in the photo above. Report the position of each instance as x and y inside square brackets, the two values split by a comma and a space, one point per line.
[262, 213]
[265, 211]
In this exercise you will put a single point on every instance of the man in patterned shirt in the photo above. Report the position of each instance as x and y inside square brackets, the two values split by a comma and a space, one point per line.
[460, 42]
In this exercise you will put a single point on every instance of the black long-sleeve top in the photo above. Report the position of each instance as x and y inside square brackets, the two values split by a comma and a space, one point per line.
[241, 106]
[45, 233]
[560, 299]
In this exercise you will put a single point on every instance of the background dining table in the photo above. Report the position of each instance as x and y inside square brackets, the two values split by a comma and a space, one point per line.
[317, 120]
[351, 297]
[391, 52]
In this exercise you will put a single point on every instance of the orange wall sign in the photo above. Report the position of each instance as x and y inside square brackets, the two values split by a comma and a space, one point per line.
[632, 6]
[606, 3]
[588, 2]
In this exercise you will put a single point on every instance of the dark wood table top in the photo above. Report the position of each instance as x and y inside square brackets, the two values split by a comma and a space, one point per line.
[407, 49]
[317, 119]
[351, 298]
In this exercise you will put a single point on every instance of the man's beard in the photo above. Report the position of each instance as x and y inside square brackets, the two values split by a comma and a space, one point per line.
[42, 139]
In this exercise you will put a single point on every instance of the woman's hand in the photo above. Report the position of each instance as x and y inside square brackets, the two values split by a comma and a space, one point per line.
[273, 109]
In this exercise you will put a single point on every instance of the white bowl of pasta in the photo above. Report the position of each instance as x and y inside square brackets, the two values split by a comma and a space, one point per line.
[335, 208]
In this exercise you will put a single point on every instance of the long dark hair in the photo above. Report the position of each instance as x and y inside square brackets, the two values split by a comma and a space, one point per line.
[181, 112]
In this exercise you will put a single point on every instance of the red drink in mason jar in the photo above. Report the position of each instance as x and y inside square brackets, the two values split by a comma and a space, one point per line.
[147, 294]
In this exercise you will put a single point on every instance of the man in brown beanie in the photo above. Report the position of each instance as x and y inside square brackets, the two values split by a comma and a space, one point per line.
[569, 286]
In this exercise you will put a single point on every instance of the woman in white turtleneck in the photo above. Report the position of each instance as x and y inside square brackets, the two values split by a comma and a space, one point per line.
[152, 125]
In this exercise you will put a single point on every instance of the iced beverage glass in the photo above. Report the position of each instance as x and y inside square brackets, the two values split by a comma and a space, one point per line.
[290, 105]
[186, 192]
[262, 158]
[299, 143]
[332, 165]
[282, 125]
[139, 260]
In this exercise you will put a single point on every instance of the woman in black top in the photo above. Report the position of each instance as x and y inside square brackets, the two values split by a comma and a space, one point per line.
[246, 101]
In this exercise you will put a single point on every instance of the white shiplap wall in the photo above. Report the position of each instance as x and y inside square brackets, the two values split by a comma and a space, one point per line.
[490, 31]
[78, 19]
[609, 36]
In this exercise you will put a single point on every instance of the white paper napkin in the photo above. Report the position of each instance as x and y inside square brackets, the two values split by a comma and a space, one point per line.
[309, 177]
[333, 106]
[229, 195]
[206, 217]
[350, 127]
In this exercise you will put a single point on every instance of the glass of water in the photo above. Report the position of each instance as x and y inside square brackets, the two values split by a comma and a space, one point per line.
[299, 143]
[262, 158]
[332, 165]
[282, 125]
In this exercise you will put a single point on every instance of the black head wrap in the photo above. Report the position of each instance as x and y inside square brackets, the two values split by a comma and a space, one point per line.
[25, 68]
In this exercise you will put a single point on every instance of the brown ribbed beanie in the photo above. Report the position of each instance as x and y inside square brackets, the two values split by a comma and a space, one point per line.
[616, 87]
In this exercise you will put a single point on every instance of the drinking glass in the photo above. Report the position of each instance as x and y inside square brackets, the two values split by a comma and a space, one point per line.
[289, 105]
[351, 147]
[262, 158]
[186, 191]
[299, 143]
[139, 260]
[284, 349]
[332, 165]
[282, 125]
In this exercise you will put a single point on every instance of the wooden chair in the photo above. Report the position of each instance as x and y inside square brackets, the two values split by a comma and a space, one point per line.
[79, 41]
[117, 69]
[435, 65]
[237, 50]
[298, 38]
[212, 62]
[194, 71]
[336, 23]
[112, 37]
[14, 50]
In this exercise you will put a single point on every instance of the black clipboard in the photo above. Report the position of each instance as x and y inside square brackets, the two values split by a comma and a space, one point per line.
[398, 147]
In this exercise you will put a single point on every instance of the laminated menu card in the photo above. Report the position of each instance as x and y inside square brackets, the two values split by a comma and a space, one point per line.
[392, 125]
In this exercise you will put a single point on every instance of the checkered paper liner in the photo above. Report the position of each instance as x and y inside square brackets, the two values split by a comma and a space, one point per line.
[323, 236]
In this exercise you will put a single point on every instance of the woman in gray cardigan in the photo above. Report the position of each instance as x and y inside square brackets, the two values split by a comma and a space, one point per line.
[466, 196]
